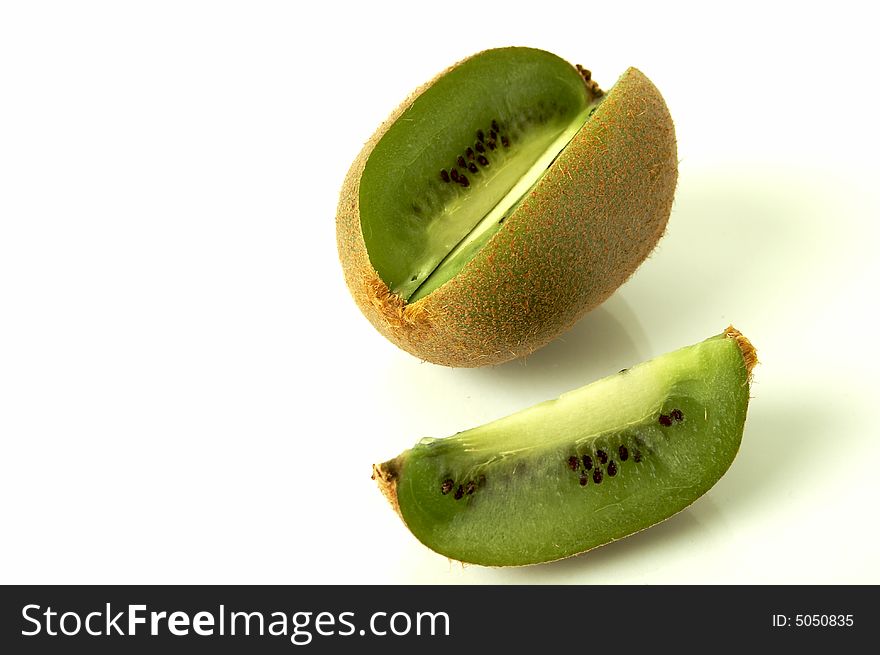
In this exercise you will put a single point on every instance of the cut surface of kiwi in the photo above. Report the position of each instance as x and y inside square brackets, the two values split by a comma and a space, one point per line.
[442, 179]
[597, 464]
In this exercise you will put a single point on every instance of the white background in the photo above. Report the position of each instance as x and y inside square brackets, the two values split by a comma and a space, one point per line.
[188, 393]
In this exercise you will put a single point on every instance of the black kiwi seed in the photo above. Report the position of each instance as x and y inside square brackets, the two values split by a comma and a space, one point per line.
[665, 420]
[482, 161]
[602, 456]
[480, 147]
[495, 126]
[458, 493]
[472, 167]
[470, 487]
[573, 463]
[469, 153]
[676, 415]
[454, 175]
[464, 181]
[461, 162]
[583, 479]
[624, 453]
[444, 175]
[637, 456]
[612, 468]
[597, 475]
[588, 462]
[446, 487]
[480, 135]
[491, 144]
[493, 134]
[504, 141]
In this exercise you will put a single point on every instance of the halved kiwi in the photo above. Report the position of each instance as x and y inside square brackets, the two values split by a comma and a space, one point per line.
[597, 464]
[503, 200]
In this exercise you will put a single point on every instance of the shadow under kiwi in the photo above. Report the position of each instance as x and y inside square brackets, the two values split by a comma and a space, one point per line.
[604, 341]
[785, 444]
[743, 241]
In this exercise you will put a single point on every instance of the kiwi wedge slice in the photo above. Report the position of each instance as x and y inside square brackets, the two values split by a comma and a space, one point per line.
[445, 175]
[595, 465]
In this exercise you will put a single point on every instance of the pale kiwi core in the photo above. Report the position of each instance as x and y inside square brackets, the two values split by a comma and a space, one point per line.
[443, 179]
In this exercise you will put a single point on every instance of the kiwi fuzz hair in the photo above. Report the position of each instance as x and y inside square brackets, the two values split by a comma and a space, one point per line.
[595, 215]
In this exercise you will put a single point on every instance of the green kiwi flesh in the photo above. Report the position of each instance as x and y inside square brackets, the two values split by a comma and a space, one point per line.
[442, 179]
[597, 464]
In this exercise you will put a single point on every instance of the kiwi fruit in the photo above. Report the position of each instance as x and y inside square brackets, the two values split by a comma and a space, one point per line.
[595, 465]
[501, 201]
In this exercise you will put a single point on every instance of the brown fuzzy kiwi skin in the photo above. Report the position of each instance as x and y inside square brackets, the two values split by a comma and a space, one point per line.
[595, 215]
